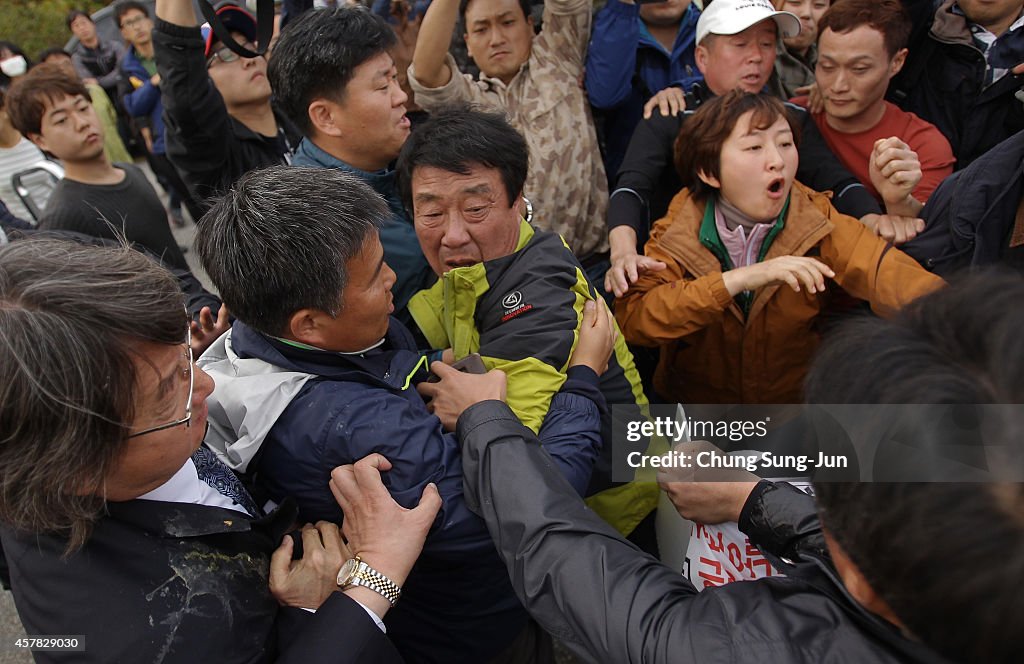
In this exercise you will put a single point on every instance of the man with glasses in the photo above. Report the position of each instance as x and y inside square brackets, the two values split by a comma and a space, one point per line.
[140, 97]
[117, 525]
[219, 118]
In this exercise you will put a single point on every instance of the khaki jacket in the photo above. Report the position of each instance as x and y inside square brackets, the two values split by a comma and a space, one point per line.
[710, 351]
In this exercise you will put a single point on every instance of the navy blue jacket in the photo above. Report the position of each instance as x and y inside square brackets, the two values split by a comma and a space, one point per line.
[970, 219]
[457, 605]
[144, 101]
[626, 66]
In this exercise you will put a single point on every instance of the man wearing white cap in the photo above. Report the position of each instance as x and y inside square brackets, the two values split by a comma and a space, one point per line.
[736, 42]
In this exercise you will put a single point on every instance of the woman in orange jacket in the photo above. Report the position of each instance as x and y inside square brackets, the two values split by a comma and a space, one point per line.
[751, 258]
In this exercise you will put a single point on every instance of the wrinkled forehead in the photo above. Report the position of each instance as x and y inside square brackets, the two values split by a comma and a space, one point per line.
[482, 10]
[454, 180]
[762, 28]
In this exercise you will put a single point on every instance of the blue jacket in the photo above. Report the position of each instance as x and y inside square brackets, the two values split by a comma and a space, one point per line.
[144, 101]
[327, 409]
[401, 247]
[626, 66]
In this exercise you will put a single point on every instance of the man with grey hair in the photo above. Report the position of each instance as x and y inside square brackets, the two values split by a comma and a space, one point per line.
[106, 491]
[315, 373]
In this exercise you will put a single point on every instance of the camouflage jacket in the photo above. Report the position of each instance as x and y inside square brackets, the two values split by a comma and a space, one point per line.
[546, 103]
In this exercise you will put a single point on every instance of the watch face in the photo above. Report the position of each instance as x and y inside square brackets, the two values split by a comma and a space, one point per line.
[347, 571]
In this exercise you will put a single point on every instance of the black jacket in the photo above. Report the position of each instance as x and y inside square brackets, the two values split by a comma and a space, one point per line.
[177, 582]
[943, 82]
[612, 603]
[647, 179]
[210, 148]
[969, 218]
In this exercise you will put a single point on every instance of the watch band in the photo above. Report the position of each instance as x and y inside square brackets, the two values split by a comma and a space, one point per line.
[355, 572]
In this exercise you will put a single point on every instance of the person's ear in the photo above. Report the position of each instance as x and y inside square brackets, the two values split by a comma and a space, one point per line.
[39, 141]
[304, 326]
[857, 584]
[897, 62]
[323, 116]
[700, 56]
[709, 180]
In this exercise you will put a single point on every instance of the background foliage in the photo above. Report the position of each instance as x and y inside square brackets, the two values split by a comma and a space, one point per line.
[37, 24]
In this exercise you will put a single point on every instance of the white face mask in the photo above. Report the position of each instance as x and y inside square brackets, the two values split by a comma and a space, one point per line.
[14, 66]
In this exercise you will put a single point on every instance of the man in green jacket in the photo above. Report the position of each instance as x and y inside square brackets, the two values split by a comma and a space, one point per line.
[510, 292]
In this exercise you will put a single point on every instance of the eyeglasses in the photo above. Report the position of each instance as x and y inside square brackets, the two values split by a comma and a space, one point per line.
[132, 22]
[187, 419]
[226, 55]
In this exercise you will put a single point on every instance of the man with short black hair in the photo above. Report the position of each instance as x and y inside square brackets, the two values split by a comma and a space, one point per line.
[116, 151]
[505, 290]
[217, 104]
[95, 197]
[861, 47]
[345, 97]
[95, 60]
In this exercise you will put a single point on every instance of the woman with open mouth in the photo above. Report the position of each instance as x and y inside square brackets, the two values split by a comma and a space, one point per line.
[752, 259]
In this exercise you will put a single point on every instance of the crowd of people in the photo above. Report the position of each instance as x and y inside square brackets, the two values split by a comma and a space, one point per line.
[451, 246]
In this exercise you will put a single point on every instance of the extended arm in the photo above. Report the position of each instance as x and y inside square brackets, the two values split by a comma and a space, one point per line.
[646, 167]
[574, 574]
[820, 170]
[429, 58]
[198, 125]
[870, 269]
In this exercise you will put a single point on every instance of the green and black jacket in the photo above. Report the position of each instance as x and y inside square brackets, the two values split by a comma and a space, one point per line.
[522, 313]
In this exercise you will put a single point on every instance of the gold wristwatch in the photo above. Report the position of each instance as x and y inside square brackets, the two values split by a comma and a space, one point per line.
[357, 573]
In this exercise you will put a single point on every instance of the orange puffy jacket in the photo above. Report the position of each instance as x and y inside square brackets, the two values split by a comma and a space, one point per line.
[710, 351]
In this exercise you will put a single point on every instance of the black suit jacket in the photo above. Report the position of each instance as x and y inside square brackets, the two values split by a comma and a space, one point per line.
[174, 582]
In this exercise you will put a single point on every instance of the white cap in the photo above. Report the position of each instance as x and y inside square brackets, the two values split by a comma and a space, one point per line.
[729, 17]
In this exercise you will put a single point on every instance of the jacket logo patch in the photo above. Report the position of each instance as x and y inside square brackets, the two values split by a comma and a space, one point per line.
[514, 306]
[512, 300]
